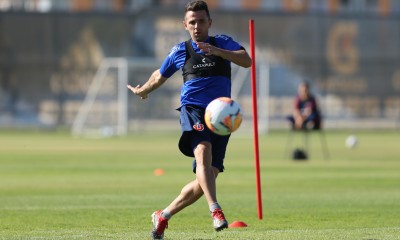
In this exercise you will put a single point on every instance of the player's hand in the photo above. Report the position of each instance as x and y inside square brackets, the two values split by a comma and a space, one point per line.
[207, 48]
[137, 90]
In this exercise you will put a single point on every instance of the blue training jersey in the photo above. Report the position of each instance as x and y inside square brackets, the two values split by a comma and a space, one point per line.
[199, 91]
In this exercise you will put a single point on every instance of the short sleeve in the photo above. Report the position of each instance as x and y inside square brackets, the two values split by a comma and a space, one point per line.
[227, 42]
[174, 60]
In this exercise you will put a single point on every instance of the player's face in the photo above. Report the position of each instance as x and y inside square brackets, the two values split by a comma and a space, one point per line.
[197, 24]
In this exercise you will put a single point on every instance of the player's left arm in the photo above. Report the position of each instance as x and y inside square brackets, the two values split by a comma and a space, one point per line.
[239, 57]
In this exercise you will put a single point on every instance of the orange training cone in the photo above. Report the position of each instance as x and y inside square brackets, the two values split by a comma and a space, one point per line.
[158, 172]
[237, 224]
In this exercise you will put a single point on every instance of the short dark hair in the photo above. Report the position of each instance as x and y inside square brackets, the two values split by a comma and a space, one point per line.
[197, 6]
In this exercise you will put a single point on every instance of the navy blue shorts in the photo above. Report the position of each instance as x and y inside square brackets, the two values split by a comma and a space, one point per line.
[194, 131]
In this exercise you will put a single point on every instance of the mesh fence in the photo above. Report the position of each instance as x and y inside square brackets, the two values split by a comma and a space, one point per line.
[47, 62]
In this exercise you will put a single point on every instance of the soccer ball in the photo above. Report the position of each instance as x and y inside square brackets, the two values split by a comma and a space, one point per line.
[223, 116]
[351, 141]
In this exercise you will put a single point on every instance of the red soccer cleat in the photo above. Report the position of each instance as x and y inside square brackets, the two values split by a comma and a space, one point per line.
[219, 220]
[160, 224]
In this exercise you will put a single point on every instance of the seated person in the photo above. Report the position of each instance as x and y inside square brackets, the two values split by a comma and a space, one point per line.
[306, 114]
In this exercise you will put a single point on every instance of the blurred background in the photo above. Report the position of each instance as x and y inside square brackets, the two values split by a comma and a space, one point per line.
[66, 63]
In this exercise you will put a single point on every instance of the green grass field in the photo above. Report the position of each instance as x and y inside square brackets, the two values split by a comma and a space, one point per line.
[53, 186]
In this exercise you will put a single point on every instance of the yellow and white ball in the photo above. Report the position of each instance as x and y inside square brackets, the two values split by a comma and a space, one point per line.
[223, 116]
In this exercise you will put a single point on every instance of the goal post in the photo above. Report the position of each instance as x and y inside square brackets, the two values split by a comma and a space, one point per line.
[104, 110]
[100, 113]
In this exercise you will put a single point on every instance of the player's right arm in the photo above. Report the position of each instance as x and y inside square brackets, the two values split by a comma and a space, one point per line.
[154, 82]
[171, 64]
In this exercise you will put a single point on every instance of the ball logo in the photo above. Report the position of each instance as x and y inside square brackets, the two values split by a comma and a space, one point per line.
[198, 127]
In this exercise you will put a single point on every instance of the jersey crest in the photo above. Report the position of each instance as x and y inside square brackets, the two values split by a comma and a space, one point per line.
[198, 127]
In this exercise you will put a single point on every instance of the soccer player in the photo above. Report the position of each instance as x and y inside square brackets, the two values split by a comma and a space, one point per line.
[206, 65]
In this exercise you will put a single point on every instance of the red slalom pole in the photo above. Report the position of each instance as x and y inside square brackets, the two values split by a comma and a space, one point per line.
[255, 118]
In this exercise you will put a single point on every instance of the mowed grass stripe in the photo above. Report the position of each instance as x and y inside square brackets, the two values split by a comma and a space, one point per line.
[53, 186]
